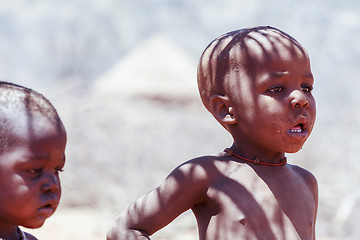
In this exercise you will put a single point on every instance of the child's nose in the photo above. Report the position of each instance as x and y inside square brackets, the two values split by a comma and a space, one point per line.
[298, 99]
[51, 183]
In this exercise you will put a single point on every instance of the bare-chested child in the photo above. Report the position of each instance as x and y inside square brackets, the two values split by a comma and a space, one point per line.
[32, 153]
[257, 83]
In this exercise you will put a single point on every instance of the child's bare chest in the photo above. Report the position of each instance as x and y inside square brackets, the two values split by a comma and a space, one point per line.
[249, 204]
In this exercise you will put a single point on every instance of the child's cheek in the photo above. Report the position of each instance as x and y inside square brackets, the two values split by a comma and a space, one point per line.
[276, 129]
[24, 187]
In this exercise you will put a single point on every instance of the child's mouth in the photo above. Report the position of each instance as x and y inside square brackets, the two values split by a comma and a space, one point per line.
[296, 129]
[48, 208]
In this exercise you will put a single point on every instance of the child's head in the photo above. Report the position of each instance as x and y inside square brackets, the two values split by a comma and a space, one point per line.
[32, 152]
[259, 78]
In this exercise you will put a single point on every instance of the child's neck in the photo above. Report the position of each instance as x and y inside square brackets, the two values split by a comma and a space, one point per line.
[11, 234]
[260, 156]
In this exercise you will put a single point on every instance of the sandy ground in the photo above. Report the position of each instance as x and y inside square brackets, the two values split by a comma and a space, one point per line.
[89, 224]
[73, 224]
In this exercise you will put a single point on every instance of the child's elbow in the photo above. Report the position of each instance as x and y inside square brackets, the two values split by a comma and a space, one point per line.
[121, 231]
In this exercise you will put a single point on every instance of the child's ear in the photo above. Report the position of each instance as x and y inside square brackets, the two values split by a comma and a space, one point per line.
[221, 109]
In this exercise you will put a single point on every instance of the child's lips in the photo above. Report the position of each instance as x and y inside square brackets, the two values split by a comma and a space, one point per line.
[296, 129]
[48, 208]
[300, 125]
[47, 211]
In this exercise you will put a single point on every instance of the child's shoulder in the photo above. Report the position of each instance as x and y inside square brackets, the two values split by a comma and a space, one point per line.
[207, 162]
[205, 168]
[306, 176]
[302, 172]
[199, 166]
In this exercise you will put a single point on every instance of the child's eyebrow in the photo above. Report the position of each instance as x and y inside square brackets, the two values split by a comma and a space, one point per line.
[309, 75]
[63, 159]
[39, 156]
[275, 75]
[45, 157]
[279, 74]
[283, 76]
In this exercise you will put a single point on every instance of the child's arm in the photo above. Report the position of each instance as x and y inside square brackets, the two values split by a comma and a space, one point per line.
[314, 188]
[182, 189]
[311, 182]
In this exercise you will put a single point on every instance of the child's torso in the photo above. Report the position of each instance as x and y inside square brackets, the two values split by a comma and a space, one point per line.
[269, 203]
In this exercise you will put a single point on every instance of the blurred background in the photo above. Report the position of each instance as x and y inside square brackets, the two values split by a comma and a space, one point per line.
[122, 75]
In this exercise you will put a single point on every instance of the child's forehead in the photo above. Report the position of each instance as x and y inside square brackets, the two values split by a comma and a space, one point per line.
[22, 127]
[31, 138]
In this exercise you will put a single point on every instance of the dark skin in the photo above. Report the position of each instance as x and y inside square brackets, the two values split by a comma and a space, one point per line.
[271, 112]
[29, 174]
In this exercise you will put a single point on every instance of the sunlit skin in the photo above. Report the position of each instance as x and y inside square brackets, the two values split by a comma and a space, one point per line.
[30, 188]
[261, 93]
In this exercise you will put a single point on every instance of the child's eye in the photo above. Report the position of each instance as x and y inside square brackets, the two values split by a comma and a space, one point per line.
[275, 89]
[59, 170]
[35, 171]
[307, 88]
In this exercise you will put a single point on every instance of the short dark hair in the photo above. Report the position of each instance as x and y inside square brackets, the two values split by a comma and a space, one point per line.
[17, 100]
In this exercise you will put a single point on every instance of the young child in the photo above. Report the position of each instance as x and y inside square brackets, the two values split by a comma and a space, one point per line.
[257, 83]
[32, 153]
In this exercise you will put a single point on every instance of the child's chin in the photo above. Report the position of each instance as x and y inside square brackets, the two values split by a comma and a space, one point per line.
[34, 224]
[294, 149]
